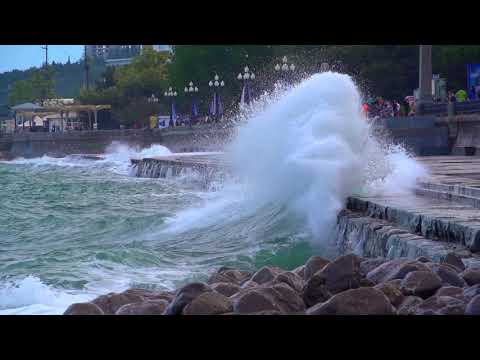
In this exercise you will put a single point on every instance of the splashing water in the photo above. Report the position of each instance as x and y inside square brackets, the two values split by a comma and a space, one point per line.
[73, 228]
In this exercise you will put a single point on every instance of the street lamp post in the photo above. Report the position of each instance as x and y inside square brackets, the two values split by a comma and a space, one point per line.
[152, 99]
[284, 69]
[216, 107]
[246, 77]
[173, 113]
[194, 110]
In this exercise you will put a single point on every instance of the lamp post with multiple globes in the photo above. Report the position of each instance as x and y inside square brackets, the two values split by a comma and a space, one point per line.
[246, 77]
[191, 89]
[173, 113]
[216, 108]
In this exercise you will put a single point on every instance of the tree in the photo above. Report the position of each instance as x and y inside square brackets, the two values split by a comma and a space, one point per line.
[21, 92]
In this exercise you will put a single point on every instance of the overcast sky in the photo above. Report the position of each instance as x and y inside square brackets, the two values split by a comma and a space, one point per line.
[21, 57]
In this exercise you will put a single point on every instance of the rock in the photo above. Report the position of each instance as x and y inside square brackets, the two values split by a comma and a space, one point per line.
[265, 274]
[342, 274]
[408, 305]
[111, 302]
[455, 260]
[252, 301]
[315, 290]
[229, 275]
[366, 283]
[249, 284]
[452, 291]
[471, 276]
[314, 264]
[300, 271]
[421, 283]
[226, 289]
[151, 294]
[473, 307]
[423, 259]
[361, 301]
[209, 303]
[392, 292]
[435, 266]
[471, 291]
[291, 279]
[184, 296]
[440, 305]
[396, 282]
[266, 312]
[287, 299]
[83, 309]
[149, 307]
[368, 265]
[279, 297]
[449, 276]
[395, 269]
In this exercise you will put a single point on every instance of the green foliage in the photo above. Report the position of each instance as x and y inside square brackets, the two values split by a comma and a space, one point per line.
[38, 88]
[127, 88]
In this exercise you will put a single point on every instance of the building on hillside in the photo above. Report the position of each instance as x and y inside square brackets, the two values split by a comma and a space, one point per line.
[119, 55]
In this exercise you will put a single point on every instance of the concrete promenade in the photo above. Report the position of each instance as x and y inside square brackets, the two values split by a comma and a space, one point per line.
[442, 216]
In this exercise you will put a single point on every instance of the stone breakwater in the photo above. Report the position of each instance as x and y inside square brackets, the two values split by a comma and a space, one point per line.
[348, 285]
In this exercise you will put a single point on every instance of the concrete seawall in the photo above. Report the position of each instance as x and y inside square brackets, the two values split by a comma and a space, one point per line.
[31, 144]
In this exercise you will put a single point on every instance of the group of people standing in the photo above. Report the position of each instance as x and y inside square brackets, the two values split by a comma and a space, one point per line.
[382, 108]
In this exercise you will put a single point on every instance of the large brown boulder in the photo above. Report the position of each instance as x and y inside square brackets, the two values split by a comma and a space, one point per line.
[265, 274]
[253, 300]
[473, 307]
[184, 296]
[448, 276]
[209, 303]
[392, 292]
[440, 305]
[151, 294]
[83, 309]
[291, 279]
[300, 271]
[368, 265]
[149, 307]
[229, 275]
[249, 284]
[452, 291]
[472, 291]
[315, 290]
[342, 274]
[395, 269]
[454, 260]
[471, 276]
[361, 301]
[111, 302]
[421, 283]
[314, 264]
[226, 289]
[408, 305]
[279, 297]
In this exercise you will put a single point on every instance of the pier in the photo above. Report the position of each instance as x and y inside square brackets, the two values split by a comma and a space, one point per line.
[442, 215]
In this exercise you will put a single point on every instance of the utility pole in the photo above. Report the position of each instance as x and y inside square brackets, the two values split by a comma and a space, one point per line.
[46, 54]
[86, 69]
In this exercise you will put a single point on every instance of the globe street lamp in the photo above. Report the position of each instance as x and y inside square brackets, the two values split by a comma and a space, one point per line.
[152, 99]
[191, 89]
[216, 107]
[285, 68]
[173, 113]
[246, 77]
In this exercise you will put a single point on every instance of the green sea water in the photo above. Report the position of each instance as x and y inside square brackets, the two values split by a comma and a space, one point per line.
[72, 229]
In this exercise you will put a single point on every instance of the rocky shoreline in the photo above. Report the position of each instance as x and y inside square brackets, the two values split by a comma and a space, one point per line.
[348, 285]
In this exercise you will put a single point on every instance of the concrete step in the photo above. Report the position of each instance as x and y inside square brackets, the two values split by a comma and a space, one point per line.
[433, 219]
[371, 237]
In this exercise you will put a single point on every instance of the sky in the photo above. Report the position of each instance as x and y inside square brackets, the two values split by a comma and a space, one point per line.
[21, 57]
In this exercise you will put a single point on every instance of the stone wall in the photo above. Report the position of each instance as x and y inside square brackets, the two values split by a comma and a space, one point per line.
[205, 138]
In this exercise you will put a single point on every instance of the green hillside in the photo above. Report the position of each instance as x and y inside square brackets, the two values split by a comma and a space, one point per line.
[69, 78]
